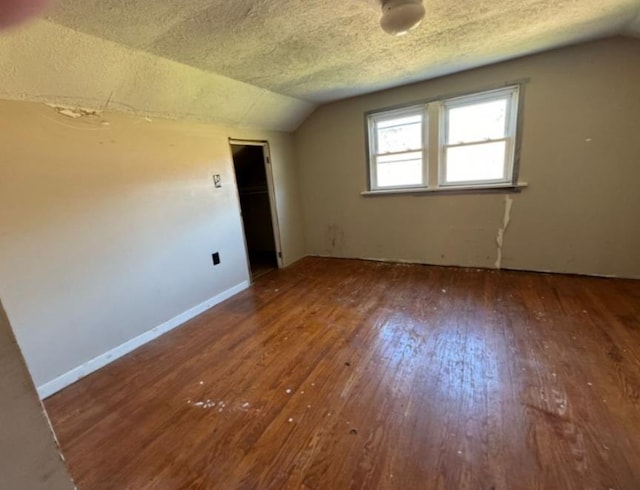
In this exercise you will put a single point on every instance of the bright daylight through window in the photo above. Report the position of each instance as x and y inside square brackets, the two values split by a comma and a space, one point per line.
[475, 146]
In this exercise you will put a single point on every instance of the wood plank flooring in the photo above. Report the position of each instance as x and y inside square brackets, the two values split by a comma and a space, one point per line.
[339, 374]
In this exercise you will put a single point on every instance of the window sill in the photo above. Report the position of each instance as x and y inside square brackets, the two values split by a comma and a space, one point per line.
[489, 189]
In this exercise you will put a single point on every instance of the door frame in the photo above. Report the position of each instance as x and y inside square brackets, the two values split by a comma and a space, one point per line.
[267, 162]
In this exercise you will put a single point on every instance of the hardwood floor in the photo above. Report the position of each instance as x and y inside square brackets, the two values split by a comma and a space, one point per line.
[336, 374]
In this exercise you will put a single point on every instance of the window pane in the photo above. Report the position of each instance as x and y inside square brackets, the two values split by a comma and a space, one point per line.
[476, 162]
[400, 134]
[397, 170]
[477, 122]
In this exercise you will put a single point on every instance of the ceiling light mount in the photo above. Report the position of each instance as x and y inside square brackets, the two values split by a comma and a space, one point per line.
[401, 16]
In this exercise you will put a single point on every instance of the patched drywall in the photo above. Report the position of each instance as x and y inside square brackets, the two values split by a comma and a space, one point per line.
[579, 155]
[46, 62]
[29, 456]
[330, 49]
[108, 223]
[508, 202]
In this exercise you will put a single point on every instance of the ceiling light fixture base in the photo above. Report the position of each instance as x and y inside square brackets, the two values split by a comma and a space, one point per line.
[401, 16]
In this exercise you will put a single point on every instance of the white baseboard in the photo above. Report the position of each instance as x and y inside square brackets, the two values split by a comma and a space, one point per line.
[70, 377]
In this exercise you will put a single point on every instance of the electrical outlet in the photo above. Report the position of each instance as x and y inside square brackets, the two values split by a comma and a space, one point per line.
[217, 181]
[216, 258]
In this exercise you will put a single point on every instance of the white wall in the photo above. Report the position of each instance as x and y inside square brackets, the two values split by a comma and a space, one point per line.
[580, 155]
[107, 225]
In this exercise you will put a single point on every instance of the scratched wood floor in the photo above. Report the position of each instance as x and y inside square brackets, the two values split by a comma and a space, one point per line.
[338, 374]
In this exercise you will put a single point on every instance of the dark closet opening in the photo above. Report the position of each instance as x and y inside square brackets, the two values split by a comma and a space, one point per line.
[250, 162]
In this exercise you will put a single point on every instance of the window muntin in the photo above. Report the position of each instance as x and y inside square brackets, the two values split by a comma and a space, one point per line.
[476, 137]
[397, 148]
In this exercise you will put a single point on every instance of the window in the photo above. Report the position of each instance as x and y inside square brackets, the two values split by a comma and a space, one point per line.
[478, 138]
[398, 150]
[476, 143]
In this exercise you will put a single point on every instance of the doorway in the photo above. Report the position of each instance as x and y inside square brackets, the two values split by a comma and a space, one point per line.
[252, 165]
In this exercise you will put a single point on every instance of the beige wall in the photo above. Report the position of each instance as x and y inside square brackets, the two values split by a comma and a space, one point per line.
[580, 155]
[29, 456]
[107, 225]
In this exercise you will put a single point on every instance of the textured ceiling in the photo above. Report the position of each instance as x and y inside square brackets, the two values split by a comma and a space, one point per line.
[323, 50]
[46, 62]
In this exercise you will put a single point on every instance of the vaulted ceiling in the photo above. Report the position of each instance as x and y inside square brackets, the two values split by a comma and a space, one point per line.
[322, 50]
[268, 63]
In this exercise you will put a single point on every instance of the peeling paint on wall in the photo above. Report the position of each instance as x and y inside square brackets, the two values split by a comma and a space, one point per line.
[83, 118]
[75, 113]
[508, 202]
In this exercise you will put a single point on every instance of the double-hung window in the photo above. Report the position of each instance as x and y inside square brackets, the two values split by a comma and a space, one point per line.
[398, 148]
[476, 137]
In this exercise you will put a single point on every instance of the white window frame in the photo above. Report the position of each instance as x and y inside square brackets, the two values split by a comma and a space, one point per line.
[435, 127]
[372, 120]
[511, 94]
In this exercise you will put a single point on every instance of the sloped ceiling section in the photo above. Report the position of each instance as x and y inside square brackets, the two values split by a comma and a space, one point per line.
[323, 50]
[46, 62]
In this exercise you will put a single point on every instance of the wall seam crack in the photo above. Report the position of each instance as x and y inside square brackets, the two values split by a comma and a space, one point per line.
[506, 219]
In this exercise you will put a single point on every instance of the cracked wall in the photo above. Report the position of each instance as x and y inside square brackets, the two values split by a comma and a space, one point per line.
[508, 203]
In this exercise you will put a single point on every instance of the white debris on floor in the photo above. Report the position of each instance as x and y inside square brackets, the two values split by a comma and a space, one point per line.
[207, 404]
